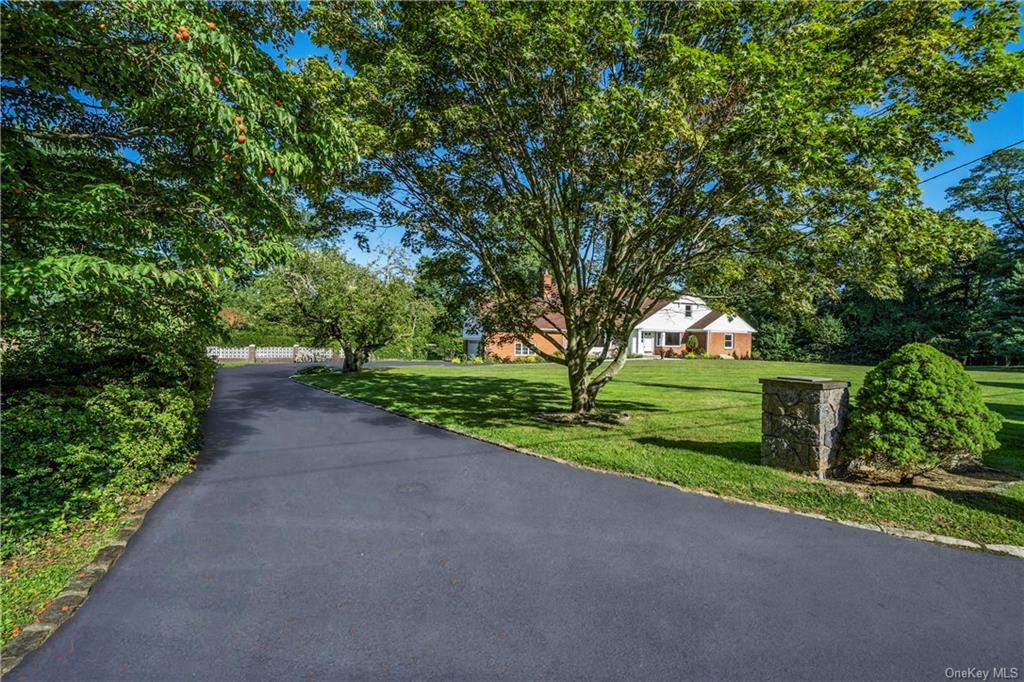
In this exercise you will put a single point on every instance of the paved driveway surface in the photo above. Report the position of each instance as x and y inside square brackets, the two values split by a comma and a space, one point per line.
[325, 539]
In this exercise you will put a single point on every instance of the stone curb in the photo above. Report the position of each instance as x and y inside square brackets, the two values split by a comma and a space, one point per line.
[1004, 550]
[74, 594]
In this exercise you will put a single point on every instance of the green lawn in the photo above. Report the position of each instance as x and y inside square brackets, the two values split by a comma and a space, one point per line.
[696, 423]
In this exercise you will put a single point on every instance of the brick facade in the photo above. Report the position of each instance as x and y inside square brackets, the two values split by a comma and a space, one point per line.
[506, 348]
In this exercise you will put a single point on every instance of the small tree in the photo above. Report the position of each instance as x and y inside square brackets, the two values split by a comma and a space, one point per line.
[918, 410]
[692, 344]
[334, 300]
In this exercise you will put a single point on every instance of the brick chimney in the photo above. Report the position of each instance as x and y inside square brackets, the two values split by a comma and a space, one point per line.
[547, 285]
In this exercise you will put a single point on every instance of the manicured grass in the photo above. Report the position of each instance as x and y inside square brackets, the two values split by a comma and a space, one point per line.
[696, 423]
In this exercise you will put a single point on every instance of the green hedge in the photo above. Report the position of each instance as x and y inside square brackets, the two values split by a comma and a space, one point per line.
[85, 452]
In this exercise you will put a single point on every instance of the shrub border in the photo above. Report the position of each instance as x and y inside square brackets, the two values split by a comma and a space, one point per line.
[1016, 551]
[76, 592]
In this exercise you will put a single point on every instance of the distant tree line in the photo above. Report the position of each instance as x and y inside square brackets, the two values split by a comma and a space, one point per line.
[971, 306]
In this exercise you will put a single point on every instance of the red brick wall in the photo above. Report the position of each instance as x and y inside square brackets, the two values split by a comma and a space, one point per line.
[715, 345]
[506, 350]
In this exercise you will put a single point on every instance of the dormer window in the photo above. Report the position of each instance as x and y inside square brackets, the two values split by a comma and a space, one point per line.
[688, 310]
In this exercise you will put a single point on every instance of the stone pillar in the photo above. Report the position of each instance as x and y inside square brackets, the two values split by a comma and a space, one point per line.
[295, 353]
[252, 353]
[802, 421]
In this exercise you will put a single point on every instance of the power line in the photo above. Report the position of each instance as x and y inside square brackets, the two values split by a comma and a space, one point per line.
[842, 218]
[968, 163]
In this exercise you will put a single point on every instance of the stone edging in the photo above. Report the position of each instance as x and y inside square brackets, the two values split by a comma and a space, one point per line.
[1005, 550]
[71, 597]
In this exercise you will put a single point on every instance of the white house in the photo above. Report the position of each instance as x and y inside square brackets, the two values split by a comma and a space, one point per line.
[663, 332]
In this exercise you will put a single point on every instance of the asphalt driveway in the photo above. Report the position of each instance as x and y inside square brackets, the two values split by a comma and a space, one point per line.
[324, 539]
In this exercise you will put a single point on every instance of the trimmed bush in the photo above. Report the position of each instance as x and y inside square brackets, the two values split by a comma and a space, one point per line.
[918, 410]
[76, 453]
[692, 343]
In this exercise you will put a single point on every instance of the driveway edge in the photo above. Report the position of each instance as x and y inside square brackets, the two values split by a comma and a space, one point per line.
[76, 592]
[1015, 551]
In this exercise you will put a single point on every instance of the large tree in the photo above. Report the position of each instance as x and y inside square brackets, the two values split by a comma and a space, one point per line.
[632, 148]
[149, 148]
[333, 300]
[996, 185]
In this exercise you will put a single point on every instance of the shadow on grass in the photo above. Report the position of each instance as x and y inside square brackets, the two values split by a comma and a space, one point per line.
[680, 387]
[1009, 412]
[474, 401]
[747, 452]
[1003, 384]
[1011, 438]
[981, 500]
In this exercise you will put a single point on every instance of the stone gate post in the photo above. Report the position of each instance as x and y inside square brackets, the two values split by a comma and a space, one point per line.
[802, 422]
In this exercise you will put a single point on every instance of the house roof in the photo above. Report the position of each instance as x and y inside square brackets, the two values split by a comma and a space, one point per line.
[716, 321]
[555, 322]
[700, 324]
[550, 322]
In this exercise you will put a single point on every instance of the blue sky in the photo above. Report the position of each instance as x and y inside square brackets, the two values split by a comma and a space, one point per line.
[1002, 127]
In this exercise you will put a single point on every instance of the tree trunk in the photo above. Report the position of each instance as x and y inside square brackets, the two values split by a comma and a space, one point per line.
[583, 385]
[583, 398]
[907, 479]
[353, 361]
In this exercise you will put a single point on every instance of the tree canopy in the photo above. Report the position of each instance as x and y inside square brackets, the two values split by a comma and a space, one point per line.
[631, 148]
[996, 185]
[968, 306]
[150, 148]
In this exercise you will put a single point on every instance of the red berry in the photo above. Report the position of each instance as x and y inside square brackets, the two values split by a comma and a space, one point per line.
[270, 170]
[227, 157]
[237, 176]
[241, 138]
[17, 190]
[238, 119]
[216, 79]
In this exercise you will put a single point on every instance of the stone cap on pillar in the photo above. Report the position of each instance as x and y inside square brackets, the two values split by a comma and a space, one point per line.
[820, 383]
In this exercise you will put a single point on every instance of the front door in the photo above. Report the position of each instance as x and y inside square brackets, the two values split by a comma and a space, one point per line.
[647, 342]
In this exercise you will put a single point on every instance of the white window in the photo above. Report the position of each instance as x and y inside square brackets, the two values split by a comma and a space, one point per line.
[672, 339]
[522, 350]
[728, 341]
[688, 310]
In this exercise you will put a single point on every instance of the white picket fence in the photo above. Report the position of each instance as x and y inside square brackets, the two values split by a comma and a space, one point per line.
[223, 353]
[274, 352]
[268, 353]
